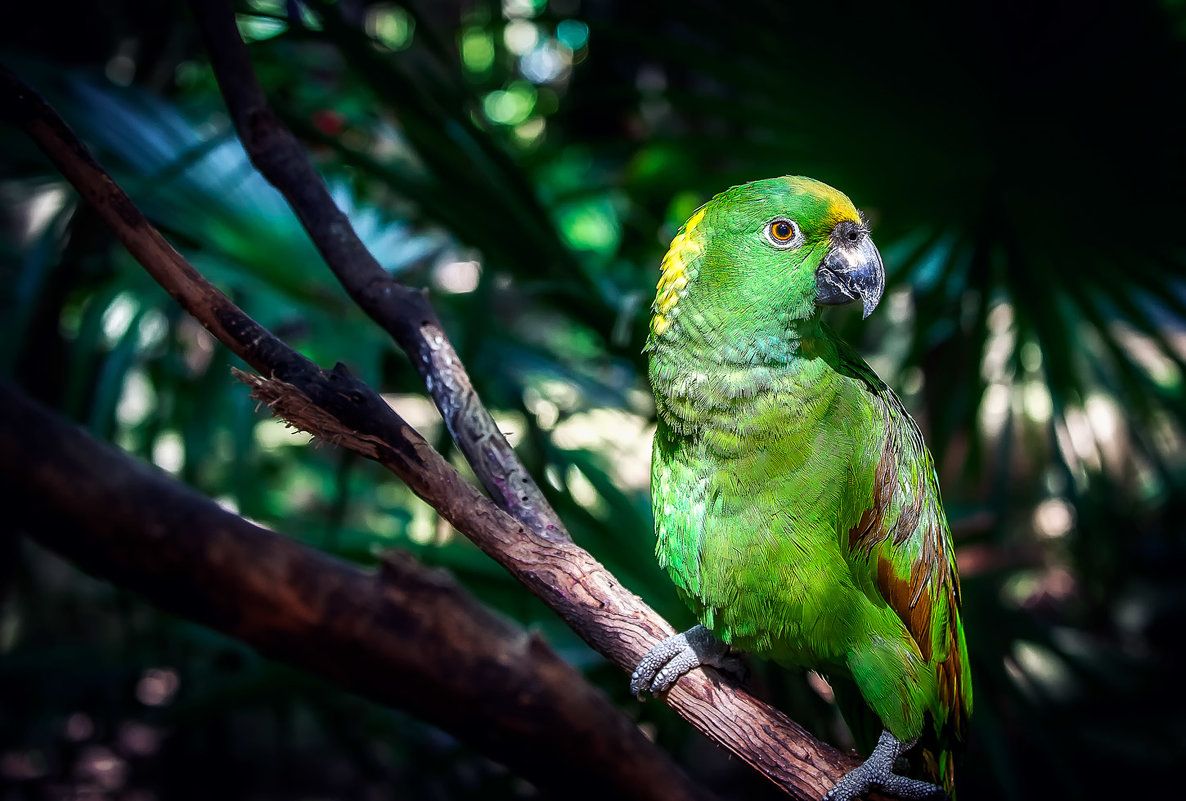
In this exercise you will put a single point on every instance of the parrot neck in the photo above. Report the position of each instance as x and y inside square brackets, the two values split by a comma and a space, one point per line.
[695, 377]
[692, 347]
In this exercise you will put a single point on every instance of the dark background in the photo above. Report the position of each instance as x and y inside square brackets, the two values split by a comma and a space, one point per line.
[1023, 167]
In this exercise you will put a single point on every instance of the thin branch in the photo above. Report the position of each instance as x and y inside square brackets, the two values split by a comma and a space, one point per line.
[406, 636]
[401, 311]
[614, 621]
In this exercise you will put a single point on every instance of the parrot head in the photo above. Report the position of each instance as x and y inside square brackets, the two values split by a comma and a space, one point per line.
[759, 260]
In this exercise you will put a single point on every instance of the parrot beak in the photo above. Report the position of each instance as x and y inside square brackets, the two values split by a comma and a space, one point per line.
[852, 270]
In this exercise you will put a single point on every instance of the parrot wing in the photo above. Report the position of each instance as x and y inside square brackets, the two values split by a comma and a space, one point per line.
[903, 547]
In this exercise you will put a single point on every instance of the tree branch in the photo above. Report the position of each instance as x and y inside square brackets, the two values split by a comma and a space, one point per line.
[614, 621]
[401, 311]
[406, 636]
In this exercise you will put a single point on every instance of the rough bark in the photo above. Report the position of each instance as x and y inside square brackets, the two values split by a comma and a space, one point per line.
[405, 636]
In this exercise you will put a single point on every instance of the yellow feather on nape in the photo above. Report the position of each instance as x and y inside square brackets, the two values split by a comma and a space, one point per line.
[683, 252]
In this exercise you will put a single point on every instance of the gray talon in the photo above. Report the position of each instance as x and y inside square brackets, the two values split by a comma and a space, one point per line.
[877, 773]
[676, 655]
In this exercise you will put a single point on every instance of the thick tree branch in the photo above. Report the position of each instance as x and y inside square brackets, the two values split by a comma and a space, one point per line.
[611, 619]
[405, 636]
[401, 311]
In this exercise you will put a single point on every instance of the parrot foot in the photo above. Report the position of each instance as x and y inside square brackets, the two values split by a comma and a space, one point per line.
[877, 773]
[678, 654]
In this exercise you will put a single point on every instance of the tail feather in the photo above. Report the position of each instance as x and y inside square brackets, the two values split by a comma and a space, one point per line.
[939, 767]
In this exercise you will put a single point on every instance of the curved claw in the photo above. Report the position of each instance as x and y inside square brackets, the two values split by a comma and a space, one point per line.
[877, 773]
[676, 655]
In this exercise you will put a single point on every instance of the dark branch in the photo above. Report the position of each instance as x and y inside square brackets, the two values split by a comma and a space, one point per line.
[403, 312]
[614, 621]
[406, 636]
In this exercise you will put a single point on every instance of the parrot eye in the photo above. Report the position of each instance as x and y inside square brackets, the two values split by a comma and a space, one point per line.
[784, 234]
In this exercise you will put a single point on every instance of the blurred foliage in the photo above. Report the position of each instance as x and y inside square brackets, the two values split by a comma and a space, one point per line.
[528, 161]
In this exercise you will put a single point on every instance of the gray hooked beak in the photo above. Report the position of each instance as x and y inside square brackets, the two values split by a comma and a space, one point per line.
[852, 270]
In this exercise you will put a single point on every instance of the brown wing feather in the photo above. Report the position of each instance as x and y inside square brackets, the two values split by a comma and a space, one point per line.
[913, 518]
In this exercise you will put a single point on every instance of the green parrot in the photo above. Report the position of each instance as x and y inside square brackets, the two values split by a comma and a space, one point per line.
[797, 508]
